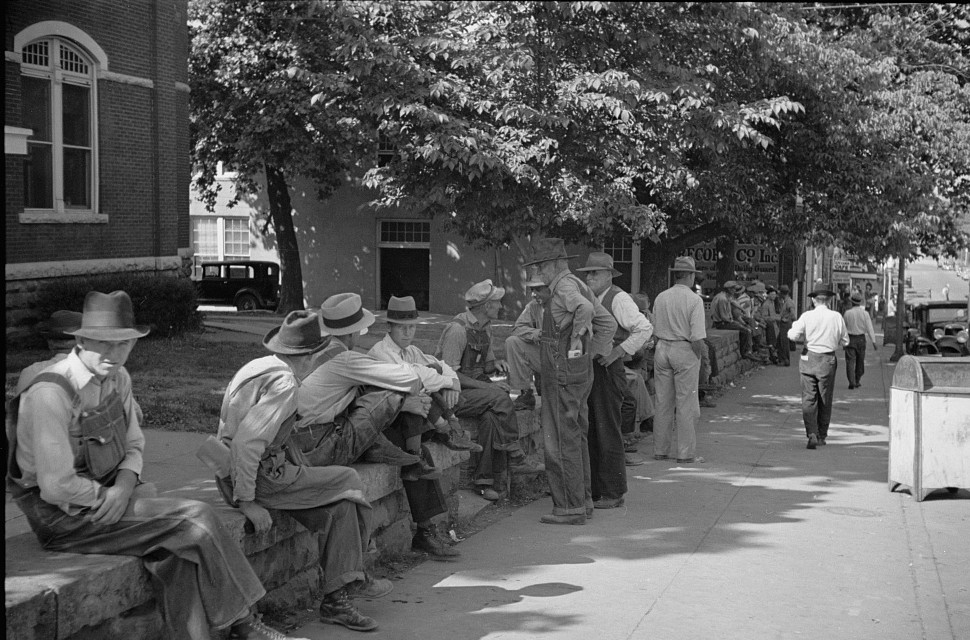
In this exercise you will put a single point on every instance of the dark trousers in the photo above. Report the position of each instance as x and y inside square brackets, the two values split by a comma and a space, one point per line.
[784, 346]
[744, 334]
[425, 497]
[818, 382]
[606, 458]
[855, 359]
[498, 429]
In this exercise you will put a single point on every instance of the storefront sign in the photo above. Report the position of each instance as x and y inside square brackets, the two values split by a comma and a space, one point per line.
[750, 261]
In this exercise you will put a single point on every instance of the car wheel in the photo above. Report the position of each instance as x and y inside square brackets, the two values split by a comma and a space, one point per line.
[247, 302]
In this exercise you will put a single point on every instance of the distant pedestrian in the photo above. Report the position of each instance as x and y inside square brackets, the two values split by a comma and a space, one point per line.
[678, 316]
[946, 291]
[859, 325]
[822, 330]
[786, 310]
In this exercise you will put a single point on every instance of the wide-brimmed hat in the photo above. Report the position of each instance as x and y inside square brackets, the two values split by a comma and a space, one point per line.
[535, 283]
[599, 261]
[60, 324]
[857, 298]
[784, 289]
[482, 292]
[298, 335]
[402, 310]
[344, 314]
[685, 263]
[730, 285]
[546, 249]
[822, 289]
[109, 317]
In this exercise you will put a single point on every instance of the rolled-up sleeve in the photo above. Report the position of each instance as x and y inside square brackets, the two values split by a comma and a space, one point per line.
[629, 317]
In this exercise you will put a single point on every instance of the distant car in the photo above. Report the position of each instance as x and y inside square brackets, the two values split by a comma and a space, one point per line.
[937, 327]
[249, 285]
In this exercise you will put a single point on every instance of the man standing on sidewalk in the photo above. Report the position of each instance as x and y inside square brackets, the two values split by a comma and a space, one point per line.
[522, 346]
[822, 330]
[859, 325]
[612, 411]
[785, 320]
[678, 315]
[572, 333]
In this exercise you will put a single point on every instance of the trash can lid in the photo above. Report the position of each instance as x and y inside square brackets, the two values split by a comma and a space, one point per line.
[919, 373]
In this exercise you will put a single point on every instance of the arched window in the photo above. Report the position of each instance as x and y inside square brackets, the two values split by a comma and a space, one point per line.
[59, 98]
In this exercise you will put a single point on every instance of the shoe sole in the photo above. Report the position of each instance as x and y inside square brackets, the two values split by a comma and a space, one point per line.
[349, 626]
[608, 506]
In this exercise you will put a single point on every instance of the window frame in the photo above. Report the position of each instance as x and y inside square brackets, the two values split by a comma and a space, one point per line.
[220, 235]
[57, 77]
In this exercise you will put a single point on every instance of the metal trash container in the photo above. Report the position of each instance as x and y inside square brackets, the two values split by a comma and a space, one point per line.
[929, 425]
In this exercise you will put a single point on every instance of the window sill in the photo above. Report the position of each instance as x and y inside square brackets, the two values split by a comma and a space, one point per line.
[56, 217]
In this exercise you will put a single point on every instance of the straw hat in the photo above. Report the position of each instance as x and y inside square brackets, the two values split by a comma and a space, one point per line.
[344, 314]
[685, 263]
[482, 292]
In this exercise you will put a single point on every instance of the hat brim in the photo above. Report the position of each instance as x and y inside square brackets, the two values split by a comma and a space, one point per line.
[820, 292]
[682, 270]
[529, 264]
[272, 343]
[612, 270]
[110, 334]
[403, 320]
[361, 325]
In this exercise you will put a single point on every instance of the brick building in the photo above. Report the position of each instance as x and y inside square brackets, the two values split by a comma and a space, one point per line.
[96, 142]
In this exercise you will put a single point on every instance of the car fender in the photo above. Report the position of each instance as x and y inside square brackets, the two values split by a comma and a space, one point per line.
[250, 291]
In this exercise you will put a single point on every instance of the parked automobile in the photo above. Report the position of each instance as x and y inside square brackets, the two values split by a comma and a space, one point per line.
[248, 285]
[937, 327]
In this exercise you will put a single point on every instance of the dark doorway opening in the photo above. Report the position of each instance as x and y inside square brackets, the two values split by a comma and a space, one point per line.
[406, 272]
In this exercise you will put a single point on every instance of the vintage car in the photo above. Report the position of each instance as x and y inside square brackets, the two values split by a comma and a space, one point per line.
[937, 327]
[249, 285]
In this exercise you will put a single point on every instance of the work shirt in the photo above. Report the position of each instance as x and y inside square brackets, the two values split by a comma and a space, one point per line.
[787, 309]
[628, 316]
[332, 384]
[44, 451]
[451, 345]
[720, 308]
[569, 304]
[258, 401]
[858, 322]
[678, 315]
[822, 329]
[767, 311]
[388, 351]
[528, 325]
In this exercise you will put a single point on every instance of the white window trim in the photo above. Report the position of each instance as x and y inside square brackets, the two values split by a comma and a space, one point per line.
[635, 267]
[221, 235]
[59, 214]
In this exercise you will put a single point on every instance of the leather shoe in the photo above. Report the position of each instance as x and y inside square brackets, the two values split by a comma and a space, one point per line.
[589, 512]
[525, 466]
[424, 469]
[661, 457]
[812, 441]
[427, 540]
[821, 441]
[554, 519]
[608, 503]
[370, 587]
[632, 461]
[525, 402]
[384, 452]
[490, 494]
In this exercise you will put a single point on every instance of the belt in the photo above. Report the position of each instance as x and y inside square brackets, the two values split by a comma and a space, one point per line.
[823, 353]
[674, 340]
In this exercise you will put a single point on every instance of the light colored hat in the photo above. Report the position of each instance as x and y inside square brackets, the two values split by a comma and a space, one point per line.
[546, 249]
[857, 298]
[402, 310]
[757, 287]
[685, 263]
[298, 335]
[343, 314]
[109, 317]
[730, 285]
[599, 261]
[483, 292]
[535, 283]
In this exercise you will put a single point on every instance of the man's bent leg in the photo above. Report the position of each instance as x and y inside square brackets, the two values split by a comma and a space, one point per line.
[342, 540]
[523, 361]
[343, 441]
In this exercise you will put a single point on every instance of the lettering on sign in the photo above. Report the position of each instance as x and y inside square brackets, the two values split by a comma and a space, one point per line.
[752, 260]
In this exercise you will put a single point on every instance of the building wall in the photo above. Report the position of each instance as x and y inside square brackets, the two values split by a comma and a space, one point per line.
[143, 157]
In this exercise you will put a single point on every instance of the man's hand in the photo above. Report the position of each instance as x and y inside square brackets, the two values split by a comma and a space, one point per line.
[418, 404]
[576, 344]
[450, 396]
[114, 499]
[698, 347]
[502, 367]
[256, 514]
[614, 355]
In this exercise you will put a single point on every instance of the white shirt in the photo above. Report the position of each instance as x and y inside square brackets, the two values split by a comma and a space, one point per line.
[628, 316]
[822, 329]
[388, 351]
[858, 322]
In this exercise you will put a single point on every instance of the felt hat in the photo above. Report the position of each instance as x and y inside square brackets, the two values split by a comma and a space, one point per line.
[482, 292]
[109, 317]
[784, 289]
[857, 298]
[60, 324]
[298, 335]
[343, 314]
[822, 289]
[685, 263]
[402, 310]
[546, 249]
[535, 283]
[757, 287]
[599, 261]
[730, 285]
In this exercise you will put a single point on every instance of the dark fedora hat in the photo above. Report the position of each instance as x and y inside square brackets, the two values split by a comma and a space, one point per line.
[546, 249]
[600, 261]
[109, 317]
[402, 310]
[857, 298]
[298, 335]
[822, 289]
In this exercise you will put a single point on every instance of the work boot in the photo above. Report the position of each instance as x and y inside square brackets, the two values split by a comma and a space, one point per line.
[525, 402]
[383, 451]
[423, 469]
[523, 465]
[812, 441]
[252, 628]
[336, 608]
[458, 438]
[369, 587]
[632, 461]
[608, 503]
[426, 539]
[554, 519]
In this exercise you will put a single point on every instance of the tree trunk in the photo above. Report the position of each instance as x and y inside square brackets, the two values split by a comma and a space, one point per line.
[900, 351]
[655, 260]
[281, 213]
[724, 268]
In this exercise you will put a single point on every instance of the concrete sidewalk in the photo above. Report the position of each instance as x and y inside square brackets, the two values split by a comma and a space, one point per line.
[764, 540]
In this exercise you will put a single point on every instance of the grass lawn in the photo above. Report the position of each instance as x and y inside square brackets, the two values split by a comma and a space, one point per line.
[178, 382]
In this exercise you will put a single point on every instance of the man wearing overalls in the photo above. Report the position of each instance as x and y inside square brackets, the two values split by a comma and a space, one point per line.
[466, 346]
[572, 334]
[73, 468]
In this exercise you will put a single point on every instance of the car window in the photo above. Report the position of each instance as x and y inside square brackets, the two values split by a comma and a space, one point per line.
[240, 272]
[210, 271]
[946, 315]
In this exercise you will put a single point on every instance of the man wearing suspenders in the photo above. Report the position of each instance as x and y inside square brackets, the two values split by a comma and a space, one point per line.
[611, 417]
